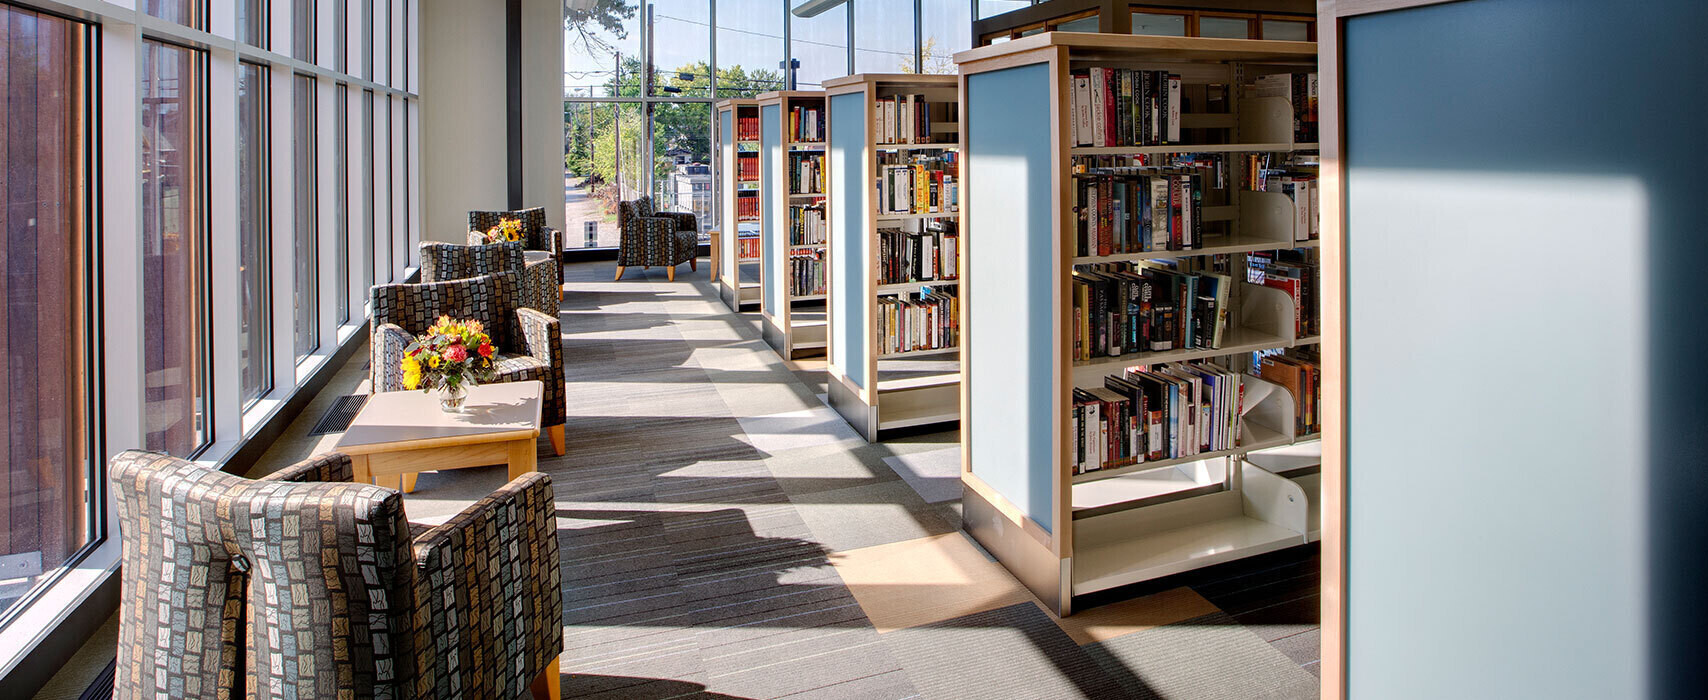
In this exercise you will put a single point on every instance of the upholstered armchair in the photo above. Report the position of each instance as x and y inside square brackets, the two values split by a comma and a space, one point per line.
[303, 585]
[444, 262]
[667, 238]
[529, 345]
[536, 235]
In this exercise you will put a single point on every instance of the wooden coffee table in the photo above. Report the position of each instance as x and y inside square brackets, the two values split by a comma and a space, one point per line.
[400, 433]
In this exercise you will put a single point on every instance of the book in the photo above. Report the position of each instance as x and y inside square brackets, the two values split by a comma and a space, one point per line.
[919, 321]
[931, 254]
[1156, 412]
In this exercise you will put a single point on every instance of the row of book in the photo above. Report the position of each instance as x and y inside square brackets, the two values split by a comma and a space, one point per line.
[1300, 90]
[1138, 209]
[747, 208]
[806, 272]
[908, 118]
[919, 256]
[747, 167]
[806, 173]
[1300, 370]
[806, 224]
[1295, 272]
[747, 245]
[806, 124]
[747, 128]
[1147, 306]
[918, 185]
[1125, 107]
[1159, 412]
[928, 320]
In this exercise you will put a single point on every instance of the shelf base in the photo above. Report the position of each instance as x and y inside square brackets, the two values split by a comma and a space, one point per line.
[1171, 538]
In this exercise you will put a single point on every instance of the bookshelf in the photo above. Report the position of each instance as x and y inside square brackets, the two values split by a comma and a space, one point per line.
[877, 381]
[740, 259]
[1034, 366]
[793, 191]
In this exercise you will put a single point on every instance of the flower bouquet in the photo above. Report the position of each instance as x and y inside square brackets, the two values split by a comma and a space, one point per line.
[450, 357]
[506, 231]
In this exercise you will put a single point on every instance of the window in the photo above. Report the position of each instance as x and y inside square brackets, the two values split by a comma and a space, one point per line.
[883, 36]
[367, 47]
[252, 22]
[1224, 27]
[302, 30]
[945, 28]
[819, 47]
[341, 196]
[1081, 24]
[368, 189]
[306, 250]
[174, 235]
[254, 234]
[992, 8]
[1284, 30]
[750, 49]
[49, 434]
[1158, 24]
[190, 13]
[341, 35]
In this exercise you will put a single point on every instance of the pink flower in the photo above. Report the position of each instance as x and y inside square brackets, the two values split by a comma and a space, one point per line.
[456, 353]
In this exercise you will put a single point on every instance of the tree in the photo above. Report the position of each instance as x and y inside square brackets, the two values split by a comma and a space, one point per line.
[585, 18]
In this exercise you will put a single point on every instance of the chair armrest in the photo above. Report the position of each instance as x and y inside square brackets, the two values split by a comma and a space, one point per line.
[333, 467]
[488, 587]
[385, 372]
[541, 337]
[552, 240]
[476, 238]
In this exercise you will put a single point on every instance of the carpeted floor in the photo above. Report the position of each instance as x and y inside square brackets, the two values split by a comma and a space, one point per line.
[725, 534]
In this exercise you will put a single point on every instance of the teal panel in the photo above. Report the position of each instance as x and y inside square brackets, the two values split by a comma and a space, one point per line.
[726, 219]
[848, 204]
[1011, 277]
[771, 128]
[1526, 440]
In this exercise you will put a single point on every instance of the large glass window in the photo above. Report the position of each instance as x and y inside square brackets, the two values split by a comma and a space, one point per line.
[682, 153]
[681, 49]
[302, 30]
[750, 47]
[819, 47]
[190, 13]
[341, 197]
[368, 190]
[44, 254]
[883, 36]
[174, 233]
[254, 239]
[602, 55]
[992, 8]
[252, 22]
[945, 28]
[306, 249]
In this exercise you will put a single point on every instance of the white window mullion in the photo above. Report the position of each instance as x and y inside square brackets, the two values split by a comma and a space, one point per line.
[224, 248]
[326, 137]
[121, 251]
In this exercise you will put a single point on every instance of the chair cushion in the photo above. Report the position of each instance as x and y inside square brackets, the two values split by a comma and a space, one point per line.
[519, 368]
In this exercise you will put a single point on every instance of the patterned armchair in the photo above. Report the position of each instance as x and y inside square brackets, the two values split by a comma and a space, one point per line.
[303, 585]
[667, 238]
[536, 235]
[528, 341]
[444, 262]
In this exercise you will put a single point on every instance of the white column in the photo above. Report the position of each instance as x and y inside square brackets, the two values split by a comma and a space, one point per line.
[121, 237]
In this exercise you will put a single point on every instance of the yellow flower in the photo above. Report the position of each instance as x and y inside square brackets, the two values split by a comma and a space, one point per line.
[411, 373]
[433, 361]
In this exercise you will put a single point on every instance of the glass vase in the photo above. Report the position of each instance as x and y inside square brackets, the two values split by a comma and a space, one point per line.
[451, 398]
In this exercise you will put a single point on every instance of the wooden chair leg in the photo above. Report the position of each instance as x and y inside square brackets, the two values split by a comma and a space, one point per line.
[556, 434]
[693, 264]
[671, 273]
[618, 277]
[548, 685]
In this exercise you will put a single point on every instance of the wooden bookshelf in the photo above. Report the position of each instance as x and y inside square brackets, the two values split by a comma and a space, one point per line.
[1065, 534]
[794, 323]
[876, 389]
[738, 275]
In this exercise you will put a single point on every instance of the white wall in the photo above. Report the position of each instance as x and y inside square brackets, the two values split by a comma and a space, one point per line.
[464, 102]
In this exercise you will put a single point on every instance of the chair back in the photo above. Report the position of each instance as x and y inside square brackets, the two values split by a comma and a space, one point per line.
[306, 589]
[491, 299]
[443, 262]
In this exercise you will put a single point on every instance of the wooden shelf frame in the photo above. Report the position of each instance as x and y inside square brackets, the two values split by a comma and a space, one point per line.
[1017, 365]
[785, 333]
[737, 295]
[858, 387]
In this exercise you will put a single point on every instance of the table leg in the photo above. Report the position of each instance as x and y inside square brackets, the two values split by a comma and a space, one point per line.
[409, 482]
[523, 457]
